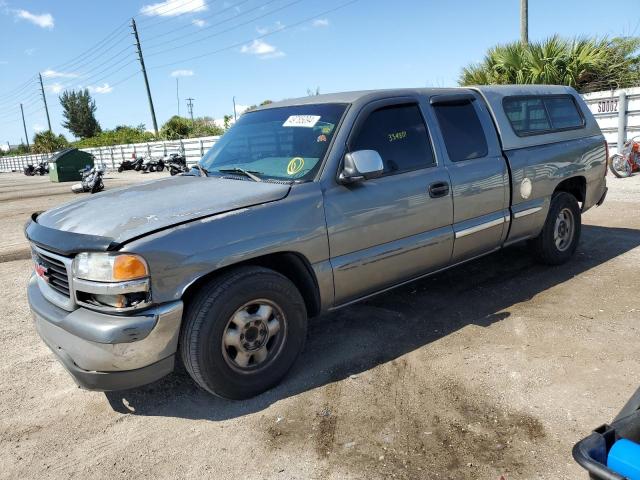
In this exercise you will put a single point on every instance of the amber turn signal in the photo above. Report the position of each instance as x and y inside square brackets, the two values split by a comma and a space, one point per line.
[129, 267]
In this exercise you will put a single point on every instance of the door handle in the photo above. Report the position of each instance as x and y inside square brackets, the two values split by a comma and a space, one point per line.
[438, 189]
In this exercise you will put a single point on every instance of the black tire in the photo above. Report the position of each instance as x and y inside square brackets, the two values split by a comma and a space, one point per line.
[120, 169]
[619, 166]
[545, 246]
[159, 168]
[208, 319]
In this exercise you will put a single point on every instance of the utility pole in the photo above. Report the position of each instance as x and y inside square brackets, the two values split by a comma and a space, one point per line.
[524, 22]
[235, 118]
[44, 99]
[144, 73]
[24, 124]
[178, 95]
[190, 105]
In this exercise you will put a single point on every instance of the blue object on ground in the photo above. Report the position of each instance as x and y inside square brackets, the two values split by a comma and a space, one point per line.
[624, 459]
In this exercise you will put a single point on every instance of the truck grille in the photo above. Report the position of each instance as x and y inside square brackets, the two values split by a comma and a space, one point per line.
[55, 272]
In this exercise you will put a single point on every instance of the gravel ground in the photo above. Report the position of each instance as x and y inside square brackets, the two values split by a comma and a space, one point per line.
[495, 368]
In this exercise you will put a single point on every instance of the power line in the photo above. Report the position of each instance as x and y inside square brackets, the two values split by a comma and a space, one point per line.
[239, 44]
[88, 57]
[228, 29]
[189, 25]
[145, 21]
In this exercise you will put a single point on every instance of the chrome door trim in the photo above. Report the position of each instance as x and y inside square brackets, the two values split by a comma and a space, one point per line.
[482, 226]
[528, 211]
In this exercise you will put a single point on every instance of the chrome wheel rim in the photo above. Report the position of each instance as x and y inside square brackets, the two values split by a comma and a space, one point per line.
[254, 336]
[564, 229]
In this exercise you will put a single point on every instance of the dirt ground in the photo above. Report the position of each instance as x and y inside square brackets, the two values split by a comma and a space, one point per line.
[495, 368]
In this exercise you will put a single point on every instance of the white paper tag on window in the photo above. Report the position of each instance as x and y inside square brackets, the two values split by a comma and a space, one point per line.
[307, 121]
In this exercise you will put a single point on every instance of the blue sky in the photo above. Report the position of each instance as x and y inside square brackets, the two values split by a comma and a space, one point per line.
[257, 49]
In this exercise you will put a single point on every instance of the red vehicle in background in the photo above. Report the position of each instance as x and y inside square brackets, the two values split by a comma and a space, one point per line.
[623, 164]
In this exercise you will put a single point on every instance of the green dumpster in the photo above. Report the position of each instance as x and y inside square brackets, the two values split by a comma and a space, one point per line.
[65, 166]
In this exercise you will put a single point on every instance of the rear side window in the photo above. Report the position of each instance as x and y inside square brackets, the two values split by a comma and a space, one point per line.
[542, 114]
[399, 135]
[462, 131]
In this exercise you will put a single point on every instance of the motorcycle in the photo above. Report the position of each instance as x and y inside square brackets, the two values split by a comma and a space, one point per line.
[136, 163]
[91, 180]
[176, 163]
[41, 169]
[623, 164]
[153, 165]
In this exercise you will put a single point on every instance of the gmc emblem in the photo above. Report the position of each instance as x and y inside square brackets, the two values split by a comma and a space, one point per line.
[42, 272]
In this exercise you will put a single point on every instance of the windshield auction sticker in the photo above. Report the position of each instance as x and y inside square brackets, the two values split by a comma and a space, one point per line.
[295, 165]
[306, 121]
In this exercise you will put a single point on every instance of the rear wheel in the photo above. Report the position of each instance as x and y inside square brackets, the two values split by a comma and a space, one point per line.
[243, 332]
[561, 231]
[619, 166]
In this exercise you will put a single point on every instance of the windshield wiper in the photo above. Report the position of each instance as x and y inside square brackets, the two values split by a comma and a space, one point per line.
[203, 171]
[248, 173]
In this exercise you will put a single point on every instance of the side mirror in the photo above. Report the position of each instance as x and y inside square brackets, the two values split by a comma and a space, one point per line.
[361, 165]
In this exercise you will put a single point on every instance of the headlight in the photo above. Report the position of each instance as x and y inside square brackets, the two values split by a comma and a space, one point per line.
[105, 267]
[111, 281]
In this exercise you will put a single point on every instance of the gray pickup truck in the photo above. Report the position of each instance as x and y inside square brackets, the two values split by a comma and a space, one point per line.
[303, 207]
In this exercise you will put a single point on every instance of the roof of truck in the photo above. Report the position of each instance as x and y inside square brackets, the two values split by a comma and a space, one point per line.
[493, 96]
[352, 97]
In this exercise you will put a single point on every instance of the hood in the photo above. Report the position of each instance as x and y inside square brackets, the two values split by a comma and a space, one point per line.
[129, 212]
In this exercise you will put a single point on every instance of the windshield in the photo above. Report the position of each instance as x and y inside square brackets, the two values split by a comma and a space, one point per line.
[287, 143]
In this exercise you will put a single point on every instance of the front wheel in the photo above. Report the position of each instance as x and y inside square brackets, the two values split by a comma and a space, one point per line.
[619, 166]
[243, 331]
[561, 231]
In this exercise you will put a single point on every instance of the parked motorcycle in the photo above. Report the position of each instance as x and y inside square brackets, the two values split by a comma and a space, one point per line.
[41, 169]
[176, 163]
[153, 165]
[91, 180]
[626, 162]
[136, 163]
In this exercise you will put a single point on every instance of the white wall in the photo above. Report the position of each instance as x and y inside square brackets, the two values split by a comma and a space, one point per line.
[605, 106]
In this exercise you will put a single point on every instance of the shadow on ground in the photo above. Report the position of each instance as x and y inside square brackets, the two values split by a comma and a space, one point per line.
[360, 337]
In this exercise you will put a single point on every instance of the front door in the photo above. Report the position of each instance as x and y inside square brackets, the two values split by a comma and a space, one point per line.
[398, 226]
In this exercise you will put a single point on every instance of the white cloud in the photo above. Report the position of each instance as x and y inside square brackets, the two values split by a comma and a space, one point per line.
[29, 51]
[106, 88]
[44, 20]
[262, 49]
[54, 87]
[38, 128]
[170, 8]
[182, 73]
[321, 22]
[49, 73]
[268, 29]
[198, 22]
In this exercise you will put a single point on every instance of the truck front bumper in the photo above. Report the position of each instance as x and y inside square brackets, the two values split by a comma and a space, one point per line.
[109, 352]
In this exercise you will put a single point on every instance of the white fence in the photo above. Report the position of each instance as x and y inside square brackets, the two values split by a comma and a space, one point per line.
[193, 149]
[617, 113]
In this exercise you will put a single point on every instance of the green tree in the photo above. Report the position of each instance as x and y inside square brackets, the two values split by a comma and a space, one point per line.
[587, 64]
[79, 113]
[47, 142]
[122, 134]
[175, 128]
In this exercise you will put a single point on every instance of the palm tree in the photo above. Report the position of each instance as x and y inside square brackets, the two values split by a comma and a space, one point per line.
[586, 64]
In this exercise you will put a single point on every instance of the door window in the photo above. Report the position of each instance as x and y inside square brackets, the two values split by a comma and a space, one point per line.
[462, 131]
[399, 135]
